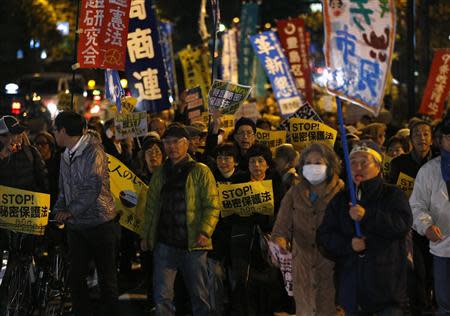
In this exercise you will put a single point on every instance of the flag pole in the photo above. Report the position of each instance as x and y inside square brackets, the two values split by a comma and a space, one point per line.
[350, 184]
[215, 13]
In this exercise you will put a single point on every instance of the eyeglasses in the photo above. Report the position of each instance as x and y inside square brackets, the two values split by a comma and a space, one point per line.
[153, 151]
[243, 134]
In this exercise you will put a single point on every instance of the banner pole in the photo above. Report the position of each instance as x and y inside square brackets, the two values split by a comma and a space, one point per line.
[350, 184]
[75, 52]
[215, 13]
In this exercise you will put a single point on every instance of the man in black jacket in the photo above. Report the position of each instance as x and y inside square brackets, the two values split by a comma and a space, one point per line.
[420, 282]
[371, 269]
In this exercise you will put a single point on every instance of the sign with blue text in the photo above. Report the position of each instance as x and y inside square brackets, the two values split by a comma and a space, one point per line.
[268, 48]
[359, 41]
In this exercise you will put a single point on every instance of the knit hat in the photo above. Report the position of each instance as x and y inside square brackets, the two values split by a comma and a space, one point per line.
[367, 146]
[177, 131]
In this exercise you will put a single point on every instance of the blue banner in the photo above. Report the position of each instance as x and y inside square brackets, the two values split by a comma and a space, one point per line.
[165, 30]
[249, 22]
[113, 88]
[145, 66]
[268, 48]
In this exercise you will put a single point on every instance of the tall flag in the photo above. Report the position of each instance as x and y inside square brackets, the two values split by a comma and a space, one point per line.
[113, 88]
[145, 66]
[248, 26]
[438, 85]
[359, 41]
[103, 27]
[293, 38]
[165, 30]
[268, 49]
[229, 56]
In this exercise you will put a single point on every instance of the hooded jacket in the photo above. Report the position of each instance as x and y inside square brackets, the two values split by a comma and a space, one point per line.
[84, 188]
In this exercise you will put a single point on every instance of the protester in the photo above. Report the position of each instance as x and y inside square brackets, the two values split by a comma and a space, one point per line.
[120, 149]
[86, 205]
[371, 269]
[257, 288]
[301, 213]
[225, 172]
[430, 206]
[286, 159]
[181, 214]
[157, 125]
[244, 137]
[420, 279]
[21, 167]
[375, 132]
[397, 146]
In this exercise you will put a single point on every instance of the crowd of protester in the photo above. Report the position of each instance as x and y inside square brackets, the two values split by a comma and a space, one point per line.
[399, 265]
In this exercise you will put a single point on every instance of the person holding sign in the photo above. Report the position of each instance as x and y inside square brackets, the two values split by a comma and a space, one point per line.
[181, 213]
[225, 172]
[301, 212]
[257, 288]
[430, 206]
[371, 270]
[86, 205]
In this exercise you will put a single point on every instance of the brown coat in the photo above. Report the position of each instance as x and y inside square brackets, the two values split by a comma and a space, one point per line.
[297, 222]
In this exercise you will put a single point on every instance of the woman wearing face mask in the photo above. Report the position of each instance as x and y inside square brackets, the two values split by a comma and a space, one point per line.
[301, 213]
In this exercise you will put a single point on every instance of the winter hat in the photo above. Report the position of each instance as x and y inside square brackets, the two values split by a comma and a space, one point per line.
[177, 131]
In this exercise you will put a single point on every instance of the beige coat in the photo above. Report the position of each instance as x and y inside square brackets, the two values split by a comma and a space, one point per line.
[297, 222]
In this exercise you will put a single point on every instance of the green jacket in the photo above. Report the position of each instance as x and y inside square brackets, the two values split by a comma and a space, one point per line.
[202, 206]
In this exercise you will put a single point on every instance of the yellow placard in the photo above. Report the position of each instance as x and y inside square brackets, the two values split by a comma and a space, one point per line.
[227, 124]
[305, 132]
[406, 183]
[386, 167]
[129, 193]
[271, 139]
[24, 211]
[245, 199]
[196, 70]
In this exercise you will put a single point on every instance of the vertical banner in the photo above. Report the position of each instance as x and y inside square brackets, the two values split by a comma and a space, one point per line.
[248, 25]
[268, 49]
[293, 39]
[229, 59]
[259, 79]
[145, 66]
[438, 85]
[196, 70]
[359, 41]
[113, 89]
[166, 30]
[103, 27]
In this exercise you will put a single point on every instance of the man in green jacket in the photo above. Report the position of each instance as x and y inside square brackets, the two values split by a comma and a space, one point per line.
[181, 214]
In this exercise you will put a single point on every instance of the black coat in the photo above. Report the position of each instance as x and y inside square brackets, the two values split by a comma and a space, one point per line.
[377, 279]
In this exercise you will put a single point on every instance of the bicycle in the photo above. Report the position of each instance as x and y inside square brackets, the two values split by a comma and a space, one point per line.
[51, 288]
[19, 276]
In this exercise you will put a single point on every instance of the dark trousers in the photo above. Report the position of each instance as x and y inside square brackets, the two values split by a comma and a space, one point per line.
[99, 244]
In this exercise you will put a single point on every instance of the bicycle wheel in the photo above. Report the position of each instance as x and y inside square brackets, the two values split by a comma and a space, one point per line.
[19, 291]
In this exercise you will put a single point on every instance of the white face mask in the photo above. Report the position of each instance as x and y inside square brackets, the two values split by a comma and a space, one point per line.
[315, 174]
